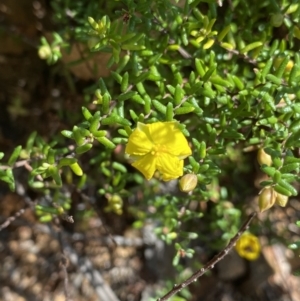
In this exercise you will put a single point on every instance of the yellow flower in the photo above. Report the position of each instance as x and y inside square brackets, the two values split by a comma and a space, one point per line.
[248, 246]
[158, 146]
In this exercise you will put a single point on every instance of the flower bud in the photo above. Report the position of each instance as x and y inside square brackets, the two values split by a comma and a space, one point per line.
[277, 20]
[115, 204]
[281, 199]
[263, 157]
[188, 182]
[267, 198]
[44, 52]
[115, 199]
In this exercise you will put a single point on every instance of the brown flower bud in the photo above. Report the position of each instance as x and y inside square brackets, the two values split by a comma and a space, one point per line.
[263, 157]
[267, 198]
[188, 182]
[281, 199]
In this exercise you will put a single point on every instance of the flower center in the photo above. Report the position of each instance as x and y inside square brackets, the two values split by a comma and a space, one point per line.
[157, 149]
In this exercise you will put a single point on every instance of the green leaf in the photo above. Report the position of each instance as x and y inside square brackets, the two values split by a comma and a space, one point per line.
[195, 165]
[293, 140]
[288, 186]
[207, 91]
[277, 176]
[280, 70]
[267, 68]
[202, 150]
[217, 80]
[196, 143]
[140, 78]
[133, 115]
[238, 82]
[94, 122]
[223, 33]
[123, 62]
[14, 156]
[54, 172]
[133, 47]
[232, 134]
[289, 177]
[30, 141]
[178, 94]
[209, 72]
[138, 99]
[251, 46]
[295, 126]
[169, 112]
[120, 167]
[77, 134]
[147, 106]
[76, 169]
[176, 259]
[159, 106]
[127, 95]
[106, 103]
[51, 156]
[293, 74]
[136, 37]
[66, 162]
[106, 142]
[295, 245]
[86, 113]
[117, 77]
[114, 119]
[120, 140]
[68, 134]
[40, 170]
[83, 148]
[9, 179]
[199, 67]
[290, 167]
[274, 79]
[270, 171]
[124, 83]
[291, 159]
[100, 133]
[184, 110]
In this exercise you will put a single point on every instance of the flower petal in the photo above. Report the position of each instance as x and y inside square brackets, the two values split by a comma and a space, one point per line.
[169, 166]
[146, 165]
[169, 135]
[138, 143]
[248, 246]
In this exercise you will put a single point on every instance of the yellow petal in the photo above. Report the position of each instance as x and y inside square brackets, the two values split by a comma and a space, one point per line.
[138, 143]
[169, 135]
[248, 246]
[169, 166]
[146, 165]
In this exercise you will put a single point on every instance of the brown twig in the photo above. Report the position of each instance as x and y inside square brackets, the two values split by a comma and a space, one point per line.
[64, 260]
[63, 266]
[10, 219]
[210, 265]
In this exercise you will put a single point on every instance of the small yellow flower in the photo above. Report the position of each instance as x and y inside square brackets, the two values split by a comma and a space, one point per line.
[158, 146]
[248, 246]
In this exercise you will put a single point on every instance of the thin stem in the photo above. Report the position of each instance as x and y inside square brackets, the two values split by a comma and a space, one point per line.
[211, 264]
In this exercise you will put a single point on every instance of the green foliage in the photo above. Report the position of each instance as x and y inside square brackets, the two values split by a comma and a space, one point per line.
[296, 246]
[225, 73]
